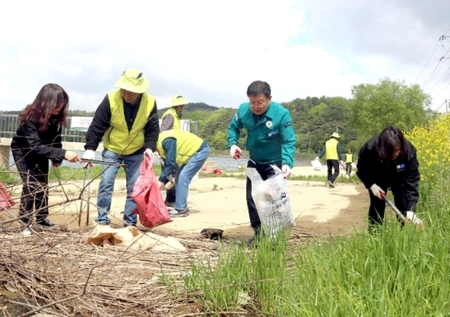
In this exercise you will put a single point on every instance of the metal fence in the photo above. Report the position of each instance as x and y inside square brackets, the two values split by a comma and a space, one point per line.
[9, 124]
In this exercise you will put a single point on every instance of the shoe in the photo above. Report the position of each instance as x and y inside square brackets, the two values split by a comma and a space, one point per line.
[169, 204]
[101, 223]
[26, 232]
[46, 224]
[330, 184]
[178, 213]
[253, 242]
[128, 225]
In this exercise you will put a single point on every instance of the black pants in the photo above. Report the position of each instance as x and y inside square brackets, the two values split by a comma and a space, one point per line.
[377, 206]
[265, 170]
[348, 168]
[333, 164]
[34, 197]
[171, 194]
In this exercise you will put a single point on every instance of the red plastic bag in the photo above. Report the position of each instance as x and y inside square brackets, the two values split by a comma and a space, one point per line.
[146, 194]
[6, 200]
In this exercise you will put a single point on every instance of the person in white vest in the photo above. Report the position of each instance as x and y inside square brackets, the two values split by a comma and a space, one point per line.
[127, 121]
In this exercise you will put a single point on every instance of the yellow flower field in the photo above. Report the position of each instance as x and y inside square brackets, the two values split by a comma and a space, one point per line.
[433, 151]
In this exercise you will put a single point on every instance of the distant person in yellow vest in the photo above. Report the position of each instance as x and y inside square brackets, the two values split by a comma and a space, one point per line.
[332, 152]
[127, 121]
[189, 152]
[348, 162]
[171, 121]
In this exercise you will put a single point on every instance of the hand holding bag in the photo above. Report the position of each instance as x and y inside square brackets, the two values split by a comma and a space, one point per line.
[271, 201]
[146, 194]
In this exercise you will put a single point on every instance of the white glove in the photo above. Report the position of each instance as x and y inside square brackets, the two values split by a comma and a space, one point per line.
[170, 183]
[89, 155]
[150, 153]
[377, 191]
[317, 158]
[286, 170]
[411, 216]
[235, 151]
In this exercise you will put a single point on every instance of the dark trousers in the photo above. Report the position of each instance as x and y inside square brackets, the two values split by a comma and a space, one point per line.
[377, 206]
[171, 194]
[265, 170]
[348, 168]
[34, 197]
[333, 164]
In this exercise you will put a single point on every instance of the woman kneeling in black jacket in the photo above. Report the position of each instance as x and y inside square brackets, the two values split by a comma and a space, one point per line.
[390, 161]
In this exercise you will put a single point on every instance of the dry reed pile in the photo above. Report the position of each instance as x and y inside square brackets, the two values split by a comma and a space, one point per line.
[57, 273]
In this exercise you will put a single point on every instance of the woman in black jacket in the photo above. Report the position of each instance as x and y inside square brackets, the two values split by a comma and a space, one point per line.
[390, 161]
[37, 140]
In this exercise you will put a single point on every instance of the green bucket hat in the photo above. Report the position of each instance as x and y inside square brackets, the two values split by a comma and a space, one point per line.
[133, 80]
[178, 100]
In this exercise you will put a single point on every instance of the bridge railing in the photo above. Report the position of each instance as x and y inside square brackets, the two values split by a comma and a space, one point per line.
[9, 124]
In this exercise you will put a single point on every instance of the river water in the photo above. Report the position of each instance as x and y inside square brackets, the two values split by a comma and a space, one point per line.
[222, 162]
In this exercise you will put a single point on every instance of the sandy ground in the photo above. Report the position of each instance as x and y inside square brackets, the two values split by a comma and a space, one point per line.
[219, 202]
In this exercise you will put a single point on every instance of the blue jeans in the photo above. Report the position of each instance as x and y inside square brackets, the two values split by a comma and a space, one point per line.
[106, 187]
[185, 174]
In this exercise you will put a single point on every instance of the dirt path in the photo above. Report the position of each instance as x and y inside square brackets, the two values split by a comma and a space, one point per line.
[220, 203]
[350, 218]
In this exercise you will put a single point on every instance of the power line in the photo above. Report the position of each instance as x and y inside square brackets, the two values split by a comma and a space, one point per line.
[444, 103]
[429, 58]
[442, 79]
[439, 64]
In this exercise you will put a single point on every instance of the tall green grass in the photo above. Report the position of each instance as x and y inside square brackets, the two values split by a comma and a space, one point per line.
[395, 271]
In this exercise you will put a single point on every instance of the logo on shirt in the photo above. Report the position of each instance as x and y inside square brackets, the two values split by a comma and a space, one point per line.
[269, 124]
[288, 124]
[401, 167]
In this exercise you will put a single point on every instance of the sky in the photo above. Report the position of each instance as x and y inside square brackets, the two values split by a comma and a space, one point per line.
[210, 51]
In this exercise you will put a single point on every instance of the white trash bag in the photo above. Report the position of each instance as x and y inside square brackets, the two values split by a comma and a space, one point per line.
[317, 166]
[272, 201]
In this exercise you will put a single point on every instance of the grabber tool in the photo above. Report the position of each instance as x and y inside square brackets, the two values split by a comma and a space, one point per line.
[248, 158]
[394, 208]
[85, 194]
[102, 162]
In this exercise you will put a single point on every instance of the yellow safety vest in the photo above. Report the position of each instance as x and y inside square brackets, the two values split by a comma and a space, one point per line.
[117, 138]
[187, 144]
[348, 158]
[331, 149]
[176, 120]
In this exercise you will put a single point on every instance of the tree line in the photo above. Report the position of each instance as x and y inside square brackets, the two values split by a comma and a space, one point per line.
[371, 108]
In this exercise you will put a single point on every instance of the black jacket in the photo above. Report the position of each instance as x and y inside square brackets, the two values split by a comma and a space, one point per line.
[34, 147]
[401, 174]
[101, 123]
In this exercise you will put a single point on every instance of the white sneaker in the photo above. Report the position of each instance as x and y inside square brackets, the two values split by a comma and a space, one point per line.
[26, 232]
[178, 213]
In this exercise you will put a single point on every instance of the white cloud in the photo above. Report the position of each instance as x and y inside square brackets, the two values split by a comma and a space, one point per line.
[210, 51]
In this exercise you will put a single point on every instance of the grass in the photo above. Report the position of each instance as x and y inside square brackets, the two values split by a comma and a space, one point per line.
[64, 173]
[395, 271]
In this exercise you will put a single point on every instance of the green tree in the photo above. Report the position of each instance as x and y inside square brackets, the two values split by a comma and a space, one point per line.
[217, 121]
[374, 107]
[219, 141]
